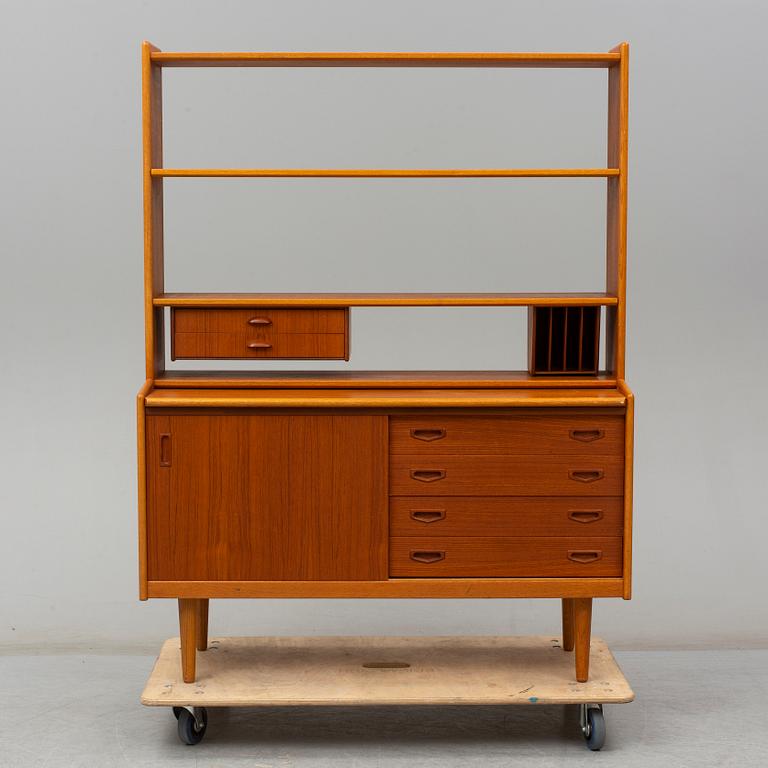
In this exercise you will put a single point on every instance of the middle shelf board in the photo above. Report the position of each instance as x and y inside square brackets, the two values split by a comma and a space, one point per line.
[375, 380]
[384, 299]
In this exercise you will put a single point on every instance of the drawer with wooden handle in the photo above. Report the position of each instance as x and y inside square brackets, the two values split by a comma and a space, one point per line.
[505, 557]
[248, 334]
[568, 434]
[505, 516]
[505, 475]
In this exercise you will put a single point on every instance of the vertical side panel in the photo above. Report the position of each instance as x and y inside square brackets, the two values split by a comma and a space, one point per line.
[629, 452]
[141, 465]
[616, 218]
[152, 139]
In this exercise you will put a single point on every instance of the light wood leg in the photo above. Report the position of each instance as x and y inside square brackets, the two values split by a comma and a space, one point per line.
[567, 623]
[188, 620]
[582, 630]
[202, 625]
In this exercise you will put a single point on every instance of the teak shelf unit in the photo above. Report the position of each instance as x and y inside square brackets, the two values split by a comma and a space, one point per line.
[383, 483]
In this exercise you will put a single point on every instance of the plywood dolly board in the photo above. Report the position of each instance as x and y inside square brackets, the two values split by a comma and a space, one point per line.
[360, 671]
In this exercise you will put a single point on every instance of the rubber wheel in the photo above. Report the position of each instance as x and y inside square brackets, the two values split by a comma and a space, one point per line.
[177, 711]
[189, 733]
[596, 729]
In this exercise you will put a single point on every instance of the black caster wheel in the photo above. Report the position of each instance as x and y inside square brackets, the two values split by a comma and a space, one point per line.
[177, 711]
[191, 729]
[593, 727]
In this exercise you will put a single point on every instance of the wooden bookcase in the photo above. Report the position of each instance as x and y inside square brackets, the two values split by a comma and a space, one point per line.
[383, 484]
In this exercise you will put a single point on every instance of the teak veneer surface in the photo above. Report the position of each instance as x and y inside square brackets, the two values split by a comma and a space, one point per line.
[522, 556]
[505, 516]
[575, 434]
[384, 398]
[251, 497]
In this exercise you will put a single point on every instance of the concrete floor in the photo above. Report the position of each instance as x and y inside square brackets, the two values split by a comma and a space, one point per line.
[693, 708]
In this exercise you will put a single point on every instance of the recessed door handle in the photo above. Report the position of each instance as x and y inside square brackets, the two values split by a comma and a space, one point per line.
[165, 449]
[259, 345]
[427, 435]
[587, 435]
[427, 475]
[585, 555]
[585, 515]
[259, 321]
[586, 475]
[428, 515]
[430, 556]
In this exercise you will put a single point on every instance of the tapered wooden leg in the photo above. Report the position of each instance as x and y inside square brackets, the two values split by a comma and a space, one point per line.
[567, 623]
[188, 620]
[202, 625]
[582, 631]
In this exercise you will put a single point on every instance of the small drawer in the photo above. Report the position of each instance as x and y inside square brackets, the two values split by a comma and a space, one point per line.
[491, 475]
[247, 334]
[505, 516]
[567, 435]
[505, 557]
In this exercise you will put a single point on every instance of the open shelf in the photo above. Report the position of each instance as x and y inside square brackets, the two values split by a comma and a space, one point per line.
[384, 299]
[386, 173]
[375, 380]
[381, 59]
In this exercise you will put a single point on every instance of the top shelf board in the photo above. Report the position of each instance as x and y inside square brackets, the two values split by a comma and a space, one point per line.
[384, 299]
[382, 59]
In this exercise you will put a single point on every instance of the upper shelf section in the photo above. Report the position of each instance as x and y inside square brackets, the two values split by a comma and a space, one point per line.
[384, 300]
[387, 173]
[380, 59]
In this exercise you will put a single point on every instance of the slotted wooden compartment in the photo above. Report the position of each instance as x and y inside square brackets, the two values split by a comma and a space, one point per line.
[563, 340]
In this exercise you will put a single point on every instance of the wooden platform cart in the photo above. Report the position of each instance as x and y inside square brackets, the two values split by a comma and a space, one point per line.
[383, 484]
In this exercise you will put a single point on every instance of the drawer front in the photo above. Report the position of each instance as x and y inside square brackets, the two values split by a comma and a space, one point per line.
[505, 557]
[490, 475]
[570, 435]
[259, 333]
[505, 516]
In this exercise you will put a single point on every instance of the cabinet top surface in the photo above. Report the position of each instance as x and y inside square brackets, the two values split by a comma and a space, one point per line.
[384, 398]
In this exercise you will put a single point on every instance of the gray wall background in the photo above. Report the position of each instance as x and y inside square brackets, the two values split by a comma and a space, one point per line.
[71, 309]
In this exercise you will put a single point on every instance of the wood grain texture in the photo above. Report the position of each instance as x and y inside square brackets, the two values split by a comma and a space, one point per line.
[188, 623]
[504, 475]
[568, 626]
[381, 59]
[259, 321]
[582, 630]
[629, 451]
[382, 299]
[373, 380]
[500, 557]
[201, 630]
[141, 466]
[466, 516]
[381, 398]
[385, 173]
[250, 497]
[303, 671]
[152, 140]
[521, 434]
[616, 215]
[393, 588]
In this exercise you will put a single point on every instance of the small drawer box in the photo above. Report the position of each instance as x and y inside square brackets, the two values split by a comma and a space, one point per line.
[252, 334]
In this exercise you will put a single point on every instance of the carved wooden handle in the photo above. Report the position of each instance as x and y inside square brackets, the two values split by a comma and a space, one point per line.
[427, 475]
[428, 556]
[586, 475]
[587, 435]
[584, 555]
[427, 435]
[165, 449]
[260, 321]
[428, 515]
[585, 515]
[259, 345]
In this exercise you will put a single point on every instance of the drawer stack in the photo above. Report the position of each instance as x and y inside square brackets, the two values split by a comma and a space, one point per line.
[526, 495]
[251, 334]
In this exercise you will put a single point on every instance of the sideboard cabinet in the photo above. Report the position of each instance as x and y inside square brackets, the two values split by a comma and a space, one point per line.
[383, 484]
